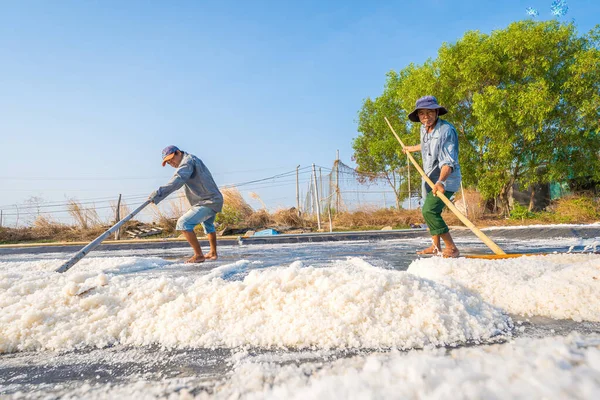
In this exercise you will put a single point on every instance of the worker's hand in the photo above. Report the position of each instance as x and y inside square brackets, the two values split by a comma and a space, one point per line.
[153, 196]
[438, 187]
[408, 149]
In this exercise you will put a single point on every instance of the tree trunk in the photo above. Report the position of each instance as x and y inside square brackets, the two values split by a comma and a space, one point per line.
[392, 182]
[505, 197]
[532, 199]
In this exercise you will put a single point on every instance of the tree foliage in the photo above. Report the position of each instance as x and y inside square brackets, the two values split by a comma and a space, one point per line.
[525, 101]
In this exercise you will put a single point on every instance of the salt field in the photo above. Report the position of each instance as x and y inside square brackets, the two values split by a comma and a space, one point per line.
[354, 319]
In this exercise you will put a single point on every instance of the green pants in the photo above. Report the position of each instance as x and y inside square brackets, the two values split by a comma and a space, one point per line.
[432, 212]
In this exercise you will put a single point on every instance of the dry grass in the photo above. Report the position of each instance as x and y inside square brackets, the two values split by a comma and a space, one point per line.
[85, 218]
[47, 227]
[46, 230]
[377, 218]
[576, 208]
[475, 205]
[255, 196]
[124, 209]
[288, 217]
[258, 220]
[474, 210]
[233, 199]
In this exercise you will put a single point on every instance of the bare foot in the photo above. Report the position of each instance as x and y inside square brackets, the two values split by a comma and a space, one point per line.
[195, 259]
[430, 250]
[211, 256]
[450, 253]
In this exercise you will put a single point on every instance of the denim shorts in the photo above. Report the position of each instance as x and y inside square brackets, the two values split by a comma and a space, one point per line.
[197, 215]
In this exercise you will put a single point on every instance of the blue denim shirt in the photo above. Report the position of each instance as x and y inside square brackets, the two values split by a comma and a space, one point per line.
[439, 148]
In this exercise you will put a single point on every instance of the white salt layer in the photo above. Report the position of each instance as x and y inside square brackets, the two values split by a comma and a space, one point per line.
[548, 368]
[348, 304]
[552, 368]
[560, 286]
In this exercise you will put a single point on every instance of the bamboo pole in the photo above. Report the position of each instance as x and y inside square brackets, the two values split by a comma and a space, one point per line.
[118, 218]
[462, 189]
[409, 192]
[297, 191]
[493, 246]
[337, 182]
[318, 206]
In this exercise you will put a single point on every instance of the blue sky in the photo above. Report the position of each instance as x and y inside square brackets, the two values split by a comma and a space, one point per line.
[91, 91]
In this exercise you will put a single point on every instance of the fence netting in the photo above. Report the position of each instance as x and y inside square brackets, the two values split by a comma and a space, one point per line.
[343, 188]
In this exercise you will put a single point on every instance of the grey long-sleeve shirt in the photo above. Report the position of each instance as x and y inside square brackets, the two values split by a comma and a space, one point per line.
[439, 148]
[200, 187]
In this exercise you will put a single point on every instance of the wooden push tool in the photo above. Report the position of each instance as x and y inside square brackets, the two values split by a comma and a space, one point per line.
[96, 242]
[493, 246]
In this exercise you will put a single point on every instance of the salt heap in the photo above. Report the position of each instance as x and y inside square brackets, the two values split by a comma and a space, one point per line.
[349, 304]
[560, 286]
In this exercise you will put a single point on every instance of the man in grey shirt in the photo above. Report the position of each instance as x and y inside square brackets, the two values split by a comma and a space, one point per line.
[202, 193]
[439, 149]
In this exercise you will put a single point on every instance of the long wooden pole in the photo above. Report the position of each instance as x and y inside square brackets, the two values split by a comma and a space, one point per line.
[337, 182]
[297, 191]
[96, 242]
[118, 218]
[409, 192]
[317, 197]
[493, 246]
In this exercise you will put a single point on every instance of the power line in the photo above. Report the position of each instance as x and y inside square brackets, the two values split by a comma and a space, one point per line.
[28, 206]
[255, 184]
[284, 174]
[55, 212]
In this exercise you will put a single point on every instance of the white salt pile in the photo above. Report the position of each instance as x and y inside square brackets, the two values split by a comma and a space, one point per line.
[561, 286]
[548, 368]
[347, 304]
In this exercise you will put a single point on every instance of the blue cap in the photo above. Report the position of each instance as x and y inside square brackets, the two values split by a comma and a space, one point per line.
[168, 153]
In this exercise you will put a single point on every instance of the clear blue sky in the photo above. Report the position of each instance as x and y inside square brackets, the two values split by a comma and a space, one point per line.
[91, 91]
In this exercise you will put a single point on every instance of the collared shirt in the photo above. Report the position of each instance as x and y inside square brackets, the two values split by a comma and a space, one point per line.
[200, 187]
[438, 148]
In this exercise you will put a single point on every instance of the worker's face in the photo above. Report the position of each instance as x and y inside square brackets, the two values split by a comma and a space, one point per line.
[427, 117]
[176, 160]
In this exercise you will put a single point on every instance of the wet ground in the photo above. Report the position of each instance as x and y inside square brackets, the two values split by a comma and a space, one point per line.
[50, 374]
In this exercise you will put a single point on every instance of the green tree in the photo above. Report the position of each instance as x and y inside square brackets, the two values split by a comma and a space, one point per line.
[375, 151]
[525, 101]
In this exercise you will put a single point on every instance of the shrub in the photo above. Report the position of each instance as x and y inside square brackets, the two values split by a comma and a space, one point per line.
[230, 216]
[520, 212]
[576, 209]
[235, 209]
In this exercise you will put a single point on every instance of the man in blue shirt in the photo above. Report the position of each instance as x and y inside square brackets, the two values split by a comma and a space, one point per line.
[202, 193]
[439, 149]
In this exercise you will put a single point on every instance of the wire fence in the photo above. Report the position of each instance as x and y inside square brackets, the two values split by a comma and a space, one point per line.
[343, 188]
[338, 187]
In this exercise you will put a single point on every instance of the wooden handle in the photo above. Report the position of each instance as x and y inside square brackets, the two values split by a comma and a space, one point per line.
[493, 246]
[96, 242]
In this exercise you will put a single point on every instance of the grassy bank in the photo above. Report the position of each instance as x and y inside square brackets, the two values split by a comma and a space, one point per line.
[238, 217]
